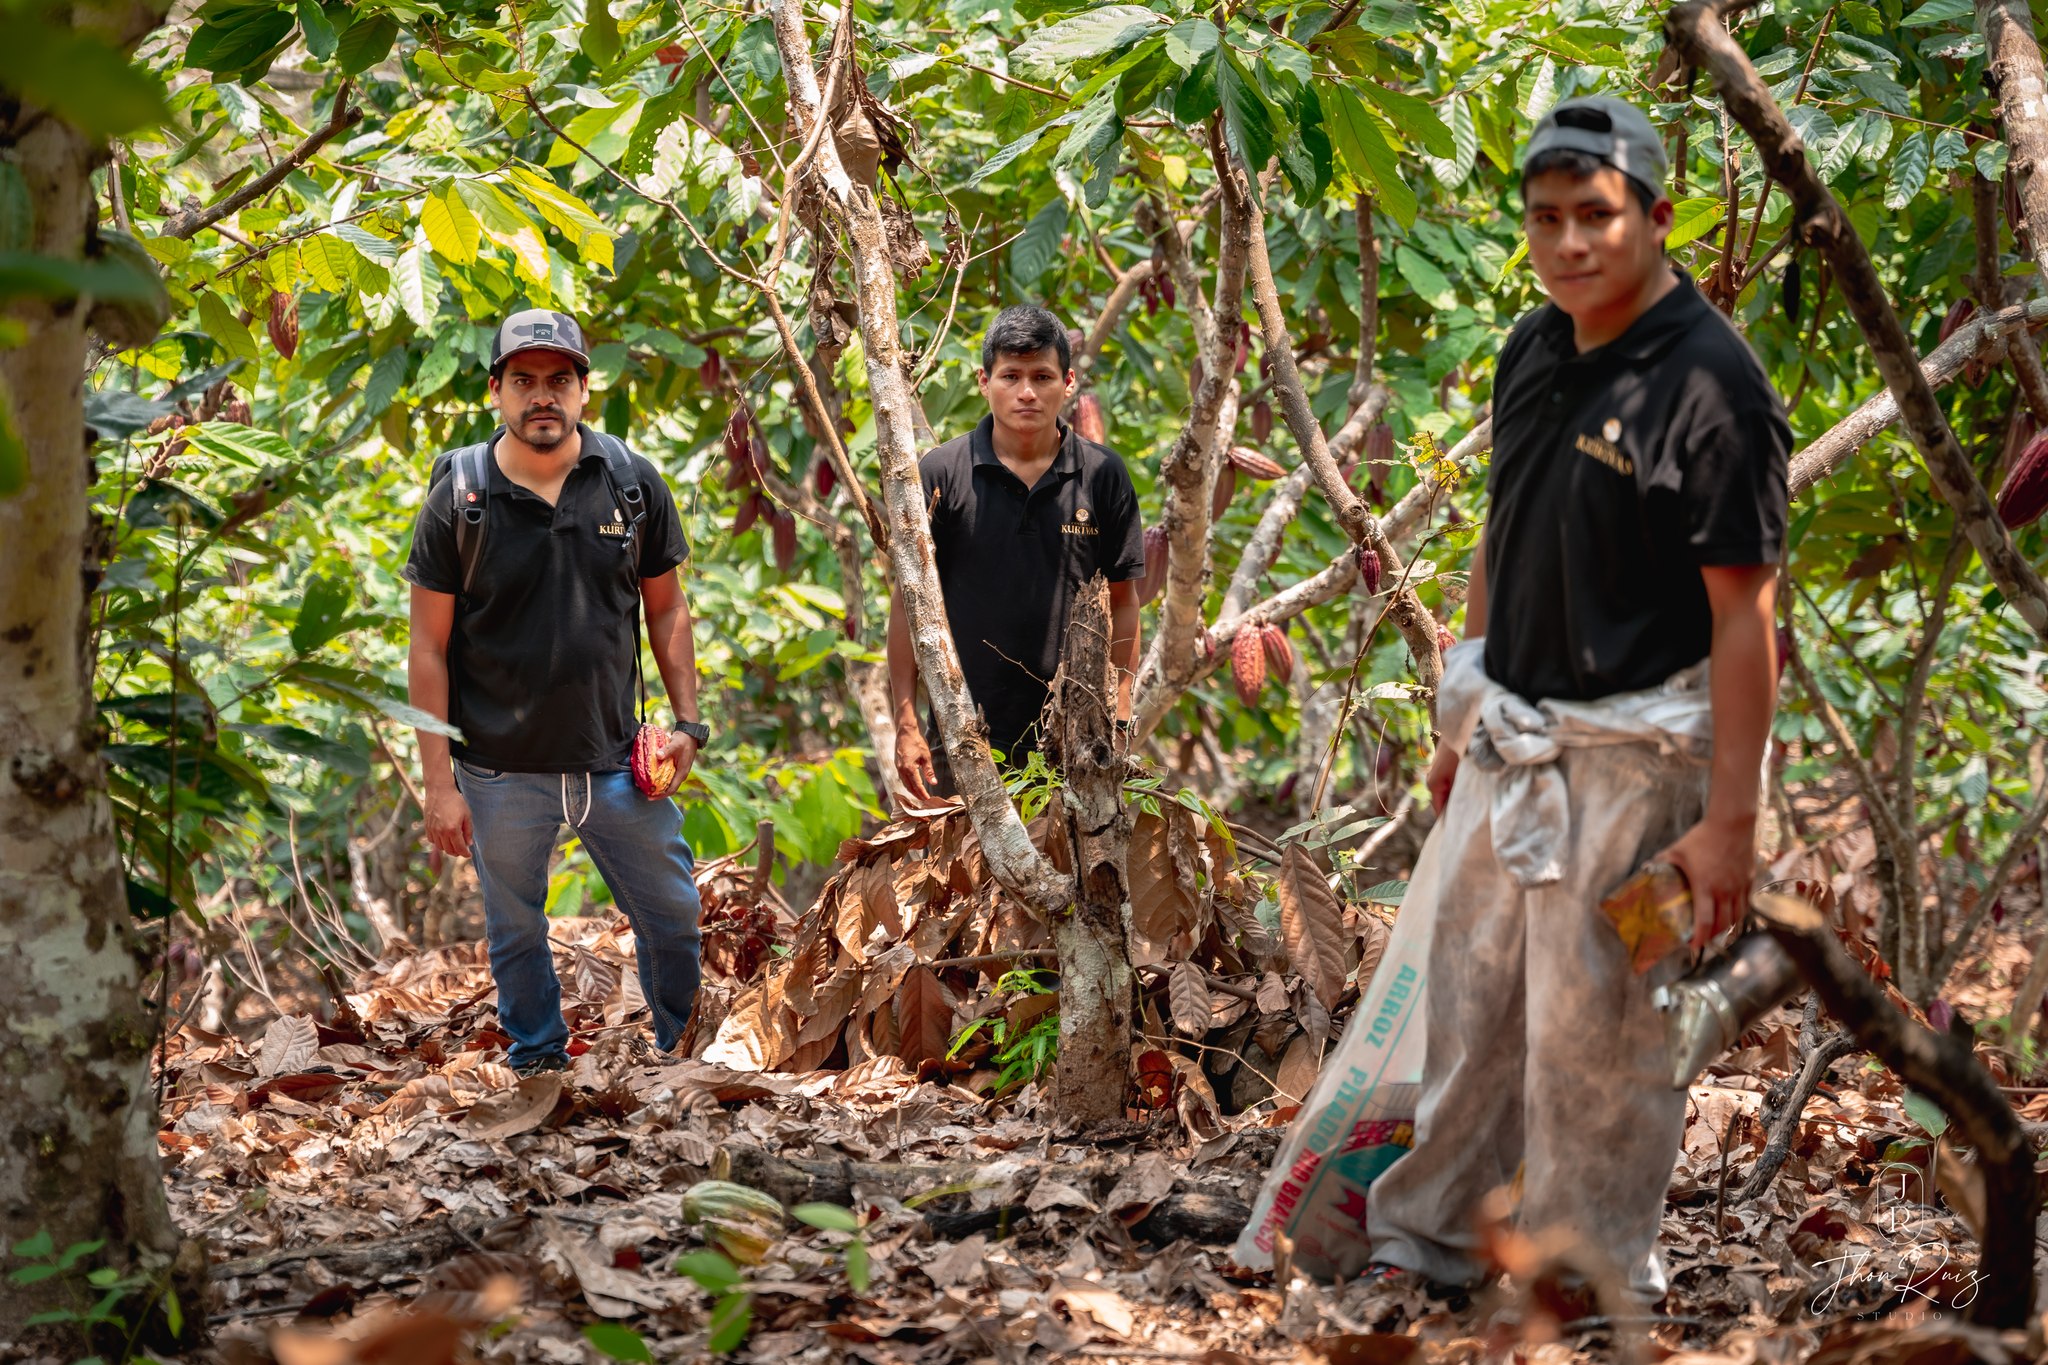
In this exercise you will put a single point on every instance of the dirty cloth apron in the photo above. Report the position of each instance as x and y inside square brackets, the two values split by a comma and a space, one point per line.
[1544, 1053]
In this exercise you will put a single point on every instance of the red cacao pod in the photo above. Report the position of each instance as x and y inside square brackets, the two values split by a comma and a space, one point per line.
[782, 531]
[1249, 461]
[1248, 664]
[1088, 419]
[2024, 496]
[1156, 548]
[1369, 570]
[284, 323]
[1262, 421]
[1444, 640]
[826, 478]
[1279, 653]
[1225, 490]
[1958, 313]
[652, 773]
[708, 372]
[750, 512]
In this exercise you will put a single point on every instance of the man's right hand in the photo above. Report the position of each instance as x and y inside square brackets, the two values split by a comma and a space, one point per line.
[448, 826]
[1443, 771]
[914, 762]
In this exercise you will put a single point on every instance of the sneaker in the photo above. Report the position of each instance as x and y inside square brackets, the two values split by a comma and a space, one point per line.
[554, 1061]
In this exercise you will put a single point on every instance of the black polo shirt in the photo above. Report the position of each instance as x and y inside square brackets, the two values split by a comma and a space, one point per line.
[1617, 475]
[540, 658]
[1011, 560]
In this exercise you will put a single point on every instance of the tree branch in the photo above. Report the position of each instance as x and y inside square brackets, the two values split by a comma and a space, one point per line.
[1695, 28]
[1016, 863]
[345, 116]
[2013, 62]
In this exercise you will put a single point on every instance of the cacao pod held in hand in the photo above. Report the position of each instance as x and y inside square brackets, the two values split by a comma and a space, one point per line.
[1248, 664]
[651, 772]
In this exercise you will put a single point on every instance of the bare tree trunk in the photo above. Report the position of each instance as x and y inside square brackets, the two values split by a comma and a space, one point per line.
[2014, 61]
[1095, 953]
[828, 191]
[79, 1157]
[1696, 31]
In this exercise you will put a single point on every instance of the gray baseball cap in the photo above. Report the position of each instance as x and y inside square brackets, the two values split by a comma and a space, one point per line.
[539, 329]
[1609, 130]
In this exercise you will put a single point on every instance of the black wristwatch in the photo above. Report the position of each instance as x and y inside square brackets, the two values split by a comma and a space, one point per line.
[696, 730]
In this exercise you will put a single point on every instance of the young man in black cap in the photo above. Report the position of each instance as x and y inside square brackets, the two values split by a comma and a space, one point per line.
[1023, 513]
[532, 559]
[1621, 604]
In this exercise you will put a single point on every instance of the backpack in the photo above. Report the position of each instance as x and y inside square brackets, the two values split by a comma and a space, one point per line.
[470, 487]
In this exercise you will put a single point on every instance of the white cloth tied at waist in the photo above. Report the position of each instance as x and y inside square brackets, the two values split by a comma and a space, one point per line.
[1503, 732]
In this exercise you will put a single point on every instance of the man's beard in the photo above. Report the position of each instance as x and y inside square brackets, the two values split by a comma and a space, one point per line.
[543, 441]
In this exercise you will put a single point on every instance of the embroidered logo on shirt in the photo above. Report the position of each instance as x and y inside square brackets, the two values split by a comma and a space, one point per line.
[1604, 449]
[615, 527]
[1081, 515]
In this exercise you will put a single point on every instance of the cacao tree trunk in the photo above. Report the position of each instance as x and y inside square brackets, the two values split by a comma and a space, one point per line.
[1094, 950]
[2013, 58]
[78, 1155]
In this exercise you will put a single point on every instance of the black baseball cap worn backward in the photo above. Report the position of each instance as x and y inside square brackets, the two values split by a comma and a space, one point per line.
[539, 329]
[1611, 131]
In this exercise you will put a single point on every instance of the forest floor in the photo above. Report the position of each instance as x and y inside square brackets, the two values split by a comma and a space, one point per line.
[336, 1179]
[377, 1185]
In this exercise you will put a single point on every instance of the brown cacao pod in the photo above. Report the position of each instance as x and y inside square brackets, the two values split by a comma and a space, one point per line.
[1262, 421]
[1248, 664]
[1088, 419]
[783, 533]
[651, 772]
[1251, 462]
[284, 323]
[2023, 498]
[1958, 313]
[236, 410]
[1226, 489]
[750, 512]
[739, 464]
[1279, 653]
[1156, 546]
[708, 372]
[1369, 570]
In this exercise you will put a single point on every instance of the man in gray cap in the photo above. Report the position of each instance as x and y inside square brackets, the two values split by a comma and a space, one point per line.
[534, 556]
[1638, 490]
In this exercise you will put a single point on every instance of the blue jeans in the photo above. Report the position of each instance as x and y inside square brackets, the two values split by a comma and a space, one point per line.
[638, 847]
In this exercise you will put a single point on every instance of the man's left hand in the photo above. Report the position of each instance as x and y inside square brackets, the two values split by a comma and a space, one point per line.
[681, 749]
[1718, 858]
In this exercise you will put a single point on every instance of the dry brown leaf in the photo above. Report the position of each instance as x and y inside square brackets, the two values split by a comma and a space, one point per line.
[1188, 992]
[878, 894]
[1163, 896]
[289, 1044]
[1099, 1302]
[1272, 993]
[1298, 1067]
[851, 923]
[834, 1001]
[1373, 938]
[1961, 1184]
[1312, 925]
[924, 1017]
[610, 1291]
[1315, 1020]
[521, 1109]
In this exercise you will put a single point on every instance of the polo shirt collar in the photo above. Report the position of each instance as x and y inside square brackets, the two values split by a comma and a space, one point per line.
[1648, 337]
[983, 446]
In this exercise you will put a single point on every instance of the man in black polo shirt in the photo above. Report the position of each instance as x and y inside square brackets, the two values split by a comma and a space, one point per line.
[532, 560]
[1624, 594]
[1023, 513]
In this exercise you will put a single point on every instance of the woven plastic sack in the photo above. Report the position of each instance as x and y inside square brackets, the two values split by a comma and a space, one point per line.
[1360, 1117]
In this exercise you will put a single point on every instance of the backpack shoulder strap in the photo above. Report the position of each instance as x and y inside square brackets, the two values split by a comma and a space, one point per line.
[469, 486]
[618, 464]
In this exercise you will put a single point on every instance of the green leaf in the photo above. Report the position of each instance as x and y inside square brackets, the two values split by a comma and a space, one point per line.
[450, 226]
[367, 42]
[1692, 219]
[1357, 137]
[79, 76]
[1950, 148]
[1939, 12]
[361, 689]
[386, 375]
[13, 450]
[1248, 123]
[249, 447]
[1451, 172]
[1038, 246]
[1926, 1113]
[1415, 118]
[17, 210]
[418, 282]
[225, 328]
[1189, 41]
[1909, 171]
[1005, 155]
[321, 612]
[615, 1339]
[1096, 33]
[1196, 98]
[372, 246]
[600, 40]
[291, 739]
[712, 1271]
[828, 1217]
[1542, 92]
[1991, 159]
[35, 1247]
[1429, 283]
[34, 1274]
[321, 39]
[859, 1269]
[731, 1318]
[236, 37]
